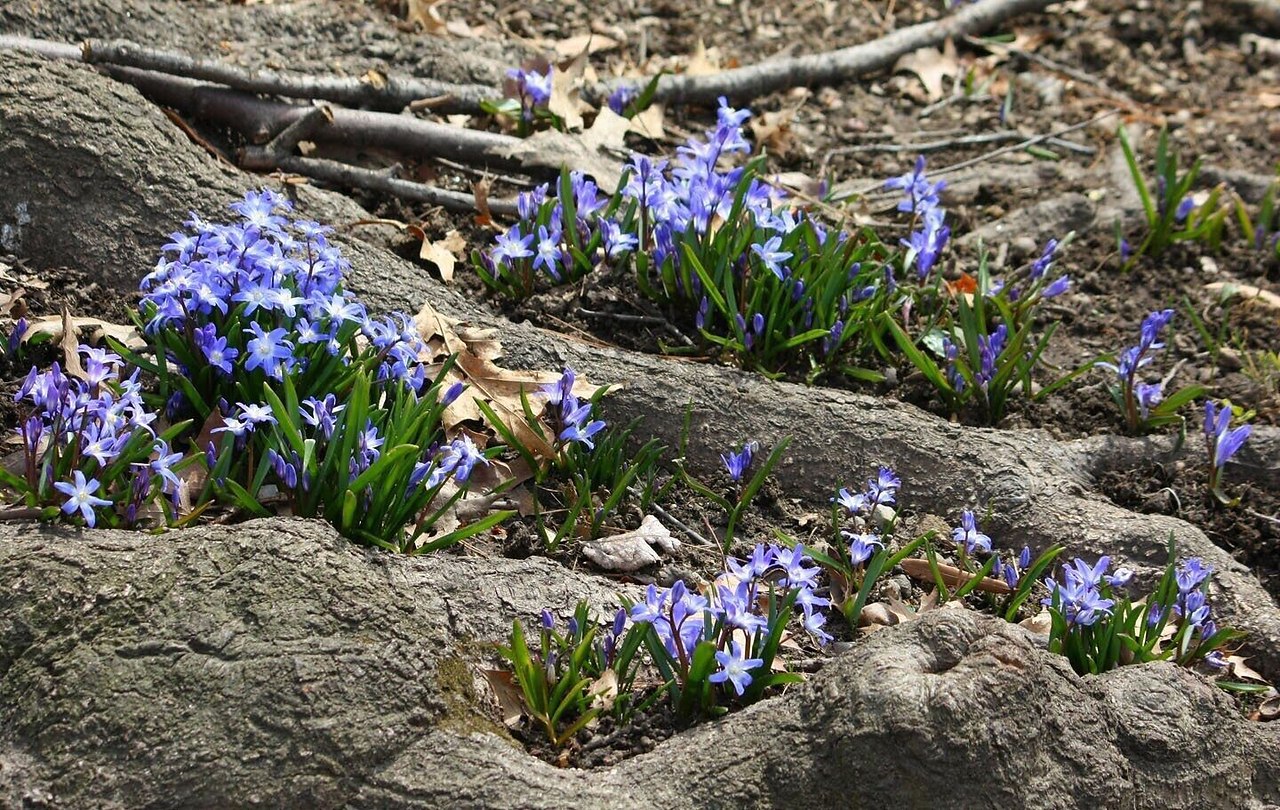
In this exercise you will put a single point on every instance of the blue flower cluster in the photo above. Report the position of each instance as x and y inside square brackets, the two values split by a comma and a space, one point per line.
[1191, 605]
[930, 233]
[967, 537]
[731, 616]
[879, 491]
[1012, 572]
[268, 293]
[92, 436]
[1079, 597]
[1139, 395]
[570, 418]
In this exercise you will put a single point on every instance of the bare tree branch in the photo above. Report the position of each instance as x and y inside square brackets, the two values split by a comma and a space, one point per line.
[834, 66]
[342, 174]
[378, 91]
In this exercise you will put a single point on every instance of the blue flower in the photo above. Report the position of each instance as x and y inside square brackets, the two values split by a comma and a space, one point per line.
[771, 254]
[1223, 442]
[512, 245]
[967, 536]
[80, 497]
[735, 667]
[737, 463]
[621, 97]
[267, 350]
[548, 255]
[1057, 287]
[862, 547]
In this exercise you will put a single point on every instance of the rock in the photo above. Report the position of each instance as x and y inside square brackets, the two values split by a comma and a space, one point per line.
[276, 664]
[1039, 490]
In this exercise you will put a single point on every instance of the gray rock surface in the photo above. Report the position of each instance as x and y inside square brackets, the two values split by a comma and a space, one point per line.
[274, 664]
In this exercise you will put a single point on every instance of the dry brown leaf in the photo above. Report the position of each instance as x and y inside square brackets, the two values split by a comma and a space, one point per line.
[931, 66]
[70, 347]
[1243, 671]
[54, 327]
[772, 130]
[648, 123]
[477, 350]
[703, 62]
[1041, 623]
[586, 152]
[427, 14]
[604, 690]
[444, 253]
[1250, 293]
[877, 613]
[576, 46]
[480, 188]
[12, 304]
[566, 100]
[508, 696]
[952, 577]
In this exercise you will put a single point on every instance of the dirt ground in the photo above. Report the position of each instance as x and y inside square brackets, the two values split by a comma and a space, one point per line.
[1185, 65]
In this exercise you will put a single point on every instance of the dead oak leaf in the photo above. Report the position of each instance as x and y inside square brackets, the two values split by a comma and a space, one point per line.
[502, 389]
[931, 66]
[575, 46]
[55, 327]
[566, 100]
[426, 14]
[444, 253]
[588, 152]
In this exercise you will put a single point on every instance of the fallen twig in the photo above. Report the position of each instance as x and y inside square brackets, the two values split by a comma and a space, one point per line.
[950, 143]
[260, 119]
[964, 164]
[374, 89]
[831, 67]
[332, 171]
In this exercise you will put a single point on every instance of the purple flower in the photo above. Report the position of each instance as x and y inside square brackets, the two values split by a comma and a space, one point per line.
[771, 254]
[1191, 573]
[512, 245]
[215, 349]
[735, 667]
[862, 547]
[621, 97]
[267, 350]
[548, 256]
[921, 194]
[1041, 265]
[1120, 578]
[813, 624]
[1184, 209]
[576, 431]
[1223, 442]
[15, 337]
[257, 414]
[1148, 395]
[321, 413]
[459, 458]
[967, 536]
[1057, 287]
[452, 393]
[616, 241]
[80, 497]
[737, 463]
